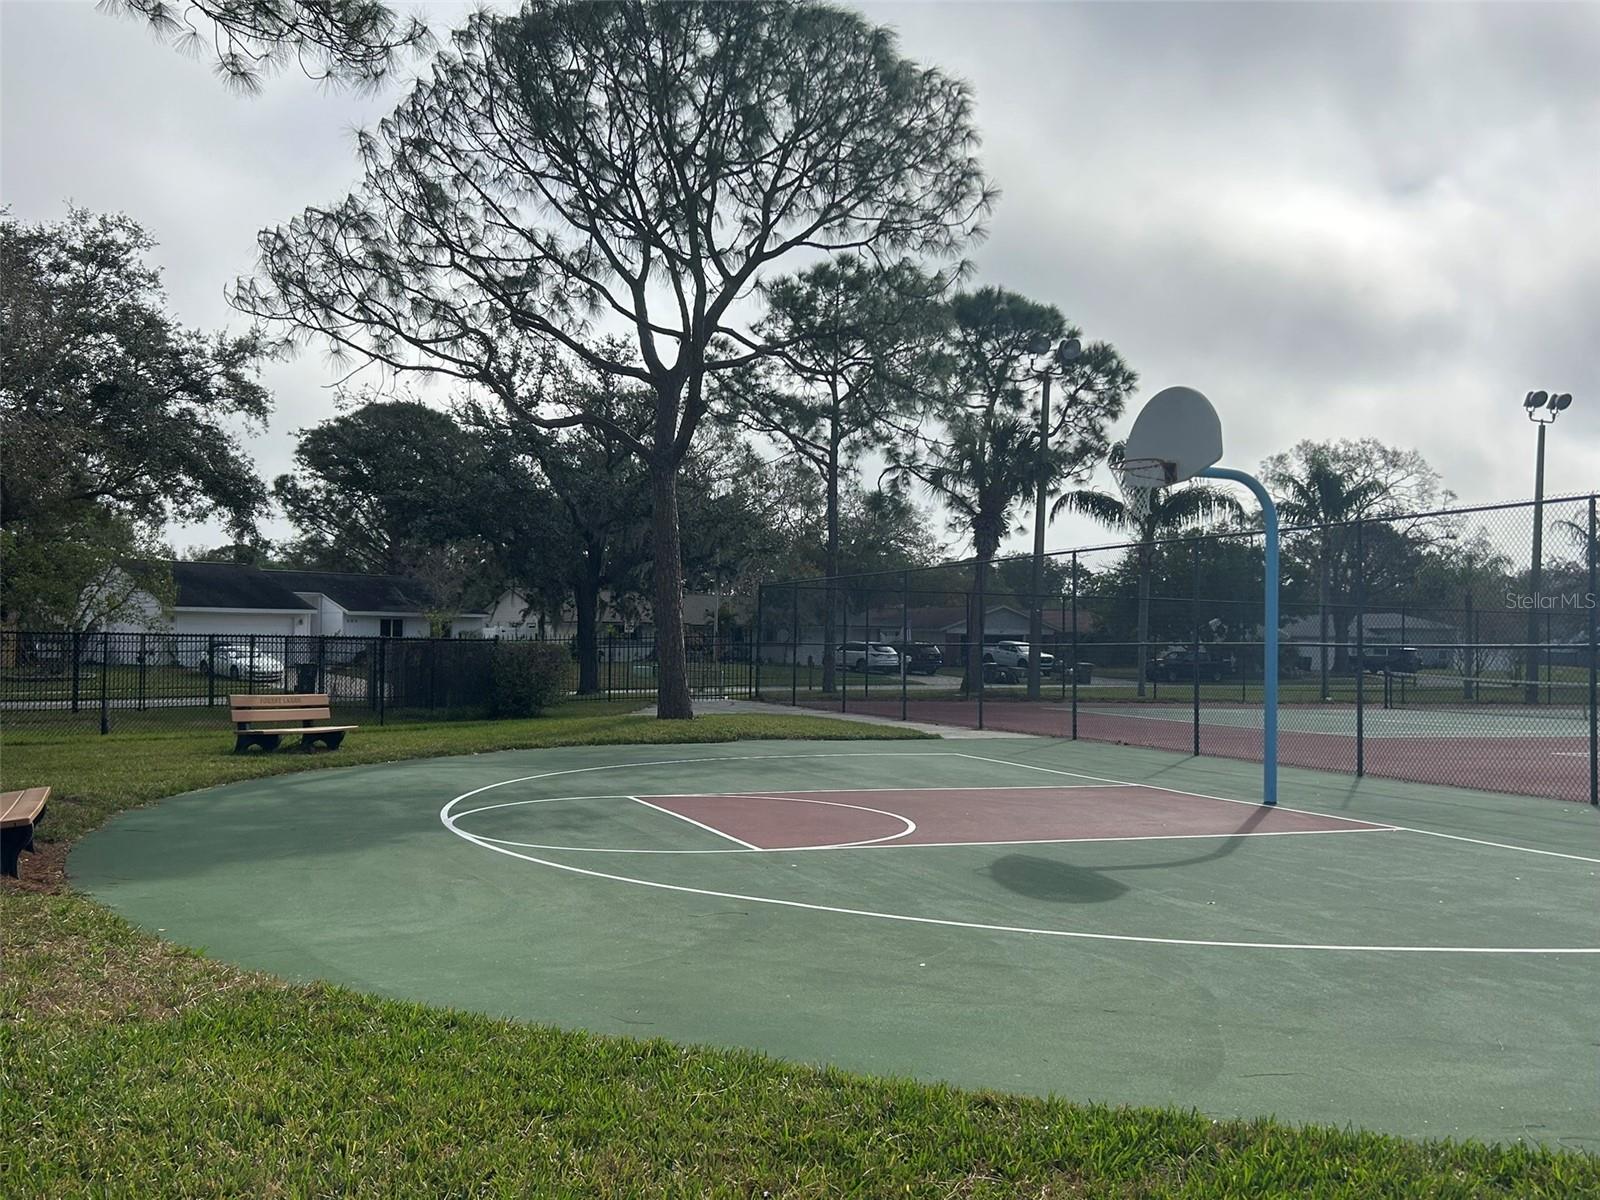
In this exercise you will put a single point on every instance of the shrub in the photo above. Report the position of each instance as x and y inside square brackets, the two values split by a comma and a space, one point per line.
[527, 677]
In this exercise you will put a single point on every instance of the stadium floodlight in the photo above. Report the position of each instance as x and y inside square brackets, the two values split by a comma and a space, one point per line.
[1542, 408]
[1066, 353]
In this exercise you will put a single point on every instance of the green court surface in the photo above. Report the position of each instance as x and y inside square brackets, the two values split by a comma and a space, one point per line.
[1099, 922]
[1421, 721]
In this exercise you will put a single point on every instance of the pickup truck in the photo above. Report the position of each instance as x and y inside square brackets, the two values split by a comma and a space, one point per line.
[1010, 659]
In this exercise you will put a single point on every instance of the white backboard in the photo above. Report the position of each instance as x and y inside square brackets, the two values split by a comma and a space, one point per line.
[1176, 435]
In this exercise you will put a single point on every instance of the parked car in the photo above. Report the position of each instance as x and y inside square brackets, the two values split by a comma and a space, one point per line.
[922, 658]
[1390, 660]
[1173, 665]
[867, 656]
[1016, 655]
[240, 662]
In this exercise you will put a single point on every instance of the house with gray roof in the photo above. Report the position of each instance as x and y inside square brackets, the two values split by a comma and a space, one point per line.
[235, 600]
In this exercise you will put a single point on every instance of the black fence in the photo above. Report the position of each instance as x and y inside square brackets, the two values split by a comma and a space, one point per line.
[110, 682]
[1429, 647]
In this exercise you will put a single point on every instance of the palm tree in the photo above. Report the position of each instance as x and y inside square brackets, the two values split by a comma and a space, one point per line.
[1170, 511]
[1322, 494]
[979, 454]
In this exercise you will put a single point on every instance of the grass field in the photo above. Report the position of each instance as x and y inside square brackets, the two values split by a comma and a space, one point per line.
[131, 1067]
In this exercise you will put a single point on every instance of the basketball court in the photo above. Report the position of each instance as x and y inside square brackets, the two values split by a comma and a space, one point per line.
[1105, 923]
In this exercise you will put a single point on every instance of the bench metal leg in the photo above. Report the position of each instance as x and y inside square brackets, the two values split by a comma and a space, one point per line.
[267, 741]
[14, 839]
[330, 740]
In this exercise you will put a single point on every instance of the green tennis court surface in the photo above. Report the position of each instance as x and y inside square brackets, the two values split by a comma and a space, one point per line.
[1101, 922]
[1420, 722]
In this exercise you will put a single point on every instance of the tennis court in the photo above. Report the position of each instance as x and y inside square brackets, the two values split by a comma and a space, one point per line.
[1106, 923]
[1469, 747]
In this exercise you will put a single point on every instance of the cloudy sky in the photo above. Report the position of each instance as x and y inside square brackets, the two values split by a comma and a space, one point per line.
[1337, 220]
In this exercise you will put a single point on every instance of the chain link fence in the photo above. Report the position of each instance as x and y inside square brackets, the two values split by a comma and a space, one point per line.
[102, 682]
[1428, 647]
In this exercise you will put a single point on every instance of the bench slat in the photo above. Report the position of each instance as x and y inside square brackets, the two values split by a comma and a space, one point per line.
[281, 700]
[309, 729]
[252, 715]
[22, 808]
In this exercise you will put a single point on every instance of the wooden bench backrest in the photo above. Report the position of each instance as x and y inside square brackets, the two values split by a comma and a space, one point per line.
[22, 808]
[256, 710]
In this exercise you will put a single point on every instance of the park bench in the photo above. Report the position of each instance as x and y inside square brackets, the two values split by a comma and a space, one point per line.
[19, 813]
[265, 721]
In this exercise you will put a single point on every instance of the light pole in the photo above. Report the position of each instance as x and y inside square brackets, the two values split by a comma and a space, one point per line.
[1065, 355]
[1541, 408]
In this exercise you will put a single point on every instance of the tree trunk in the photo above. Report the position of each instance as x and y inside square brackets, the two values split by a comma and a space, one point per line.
[1142, 651]
[830, 568]
[588, 598]
[672, 676]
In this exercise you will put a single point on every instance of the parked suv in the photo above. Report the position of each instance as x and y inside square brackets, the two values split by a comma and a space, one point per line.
[868, 656]
[1173, 665]
[922, 658]
[1015, 656]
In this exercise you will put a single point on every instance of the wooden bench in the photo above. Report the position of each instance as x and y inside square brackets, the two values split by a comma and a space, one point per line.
[252, 715]
[19, 813]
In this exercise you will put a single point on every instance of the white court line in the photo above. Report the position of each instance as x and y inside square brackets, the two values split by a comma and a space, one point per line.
[976, 787]
[696, 824]
[893, 843]
[449, 821]
[1454, 837]
[988, 928]
[910, 826]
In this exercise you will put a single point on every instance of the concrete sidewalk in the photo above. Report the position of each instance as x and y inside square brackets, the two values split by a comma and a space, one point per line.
[705, 707]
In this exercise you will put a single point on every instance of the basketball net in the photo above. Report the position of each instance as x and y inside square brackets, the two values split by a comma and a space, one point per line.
[1139, 479]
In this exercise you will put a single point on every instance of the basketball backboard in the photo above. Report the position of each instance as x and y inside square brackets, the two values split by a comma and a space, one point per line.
[1176, 435]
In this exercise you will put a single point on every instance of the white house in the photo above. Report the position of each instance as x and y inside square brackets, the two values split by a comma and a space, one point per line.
[237, 601]
[1436, 642]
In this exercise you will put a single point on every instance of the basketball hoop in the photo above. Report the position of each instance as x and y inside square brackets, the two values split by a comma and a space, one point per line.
[1138, 479]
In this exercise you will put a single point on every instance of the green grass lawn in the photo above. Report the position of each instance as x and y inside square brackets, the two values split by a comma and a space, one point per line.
[132, 1067]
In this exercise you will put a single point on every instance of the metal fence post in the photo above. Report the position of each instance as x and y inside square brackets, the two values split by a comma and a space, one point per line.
[250, 665]
[1194, 639]
[794, 648]
[1594, 660]
[841, 669]
[77, 671]
[1361, 650]
[381, 665]
[754, 675]
[143, 648]
[211, 670]
[322, 664]
[105, 699]
[1073, 665]
[1061, 631]
[1469, 651]
[980, 581]
[905, 642]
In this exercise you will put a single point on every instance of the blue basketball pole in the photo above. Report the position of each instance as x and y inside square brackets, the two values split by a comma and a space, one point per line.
[1269, 720]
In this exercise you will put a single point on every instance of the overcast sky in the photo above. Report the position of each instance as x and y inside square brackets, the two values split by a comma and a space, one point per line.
[1336, 220]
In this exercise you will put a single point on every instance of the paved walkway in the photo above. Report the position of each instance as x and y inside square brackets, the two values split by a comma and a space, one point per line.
[707, 707]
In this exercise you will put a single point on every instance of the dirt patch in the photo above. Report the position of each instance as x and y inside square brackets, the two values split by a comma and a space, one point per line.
[42, 872]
